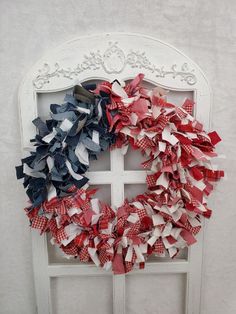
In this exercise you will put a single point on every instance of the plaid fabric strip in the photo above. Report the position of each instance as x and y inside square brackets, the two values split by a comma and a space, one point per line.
[62, 208]
[214, 175]
[78, 219]
[79, 240]
[52, 226]
[39, 222]
[181, 113]
[64, 219]
[103, 223]
[77, 200]
[51, 206]
[209, 187]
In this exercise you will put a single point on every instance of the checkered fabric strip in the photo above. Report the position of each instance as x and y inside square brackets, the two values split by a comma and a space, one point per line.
[162, 122]
[70, 249]
[84, 255]
[110, 212]
[86, 205]
[103, 257]
[112, 106]
[39, 222]
[61, 235]
[147, 164]
[187, 148]
[128, 266]
[141, 213]
[134, 229]
[125, 110]
[120, 223]
[134, 257]
[159, 247]
[188, 106]
[193, 230]
[151, 180]
[145, 143]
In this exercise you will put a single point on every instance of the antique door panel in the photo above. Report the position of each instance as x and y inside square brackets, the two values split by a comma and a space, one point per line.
[67, 286]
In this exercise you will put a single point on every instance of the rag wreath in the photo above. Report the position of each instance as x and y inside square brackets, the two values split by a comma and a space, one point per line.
[180, 176]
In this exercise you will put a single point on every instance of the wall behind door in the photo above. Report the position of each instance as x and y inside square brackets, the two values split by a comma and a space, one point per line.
[205, 31]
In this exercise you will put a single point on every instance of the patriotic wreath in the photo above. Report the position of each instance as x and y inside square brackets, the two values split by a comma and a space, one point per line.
[163, 220]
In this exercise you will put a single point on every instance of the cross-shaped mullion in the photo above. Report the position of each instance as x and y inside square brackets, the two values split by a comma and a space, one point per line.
[117, 177]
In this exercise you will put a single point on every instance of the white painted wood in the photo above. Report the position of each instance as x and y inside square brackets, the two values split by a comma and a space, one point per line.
[61, 270]
[110, 56]
[117, 197]
[41, 276]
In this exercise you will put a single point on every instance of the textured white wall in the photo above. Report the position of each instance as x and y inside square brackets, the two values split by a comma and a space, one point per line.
[204, 30]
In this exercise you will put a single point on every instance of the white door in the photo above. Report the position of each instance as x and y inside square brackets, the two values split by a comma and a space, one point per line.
[66, 286]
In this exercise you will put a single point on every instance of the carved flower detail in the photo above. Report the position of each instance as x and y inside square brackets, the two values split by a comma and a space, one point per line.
[113, 60]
